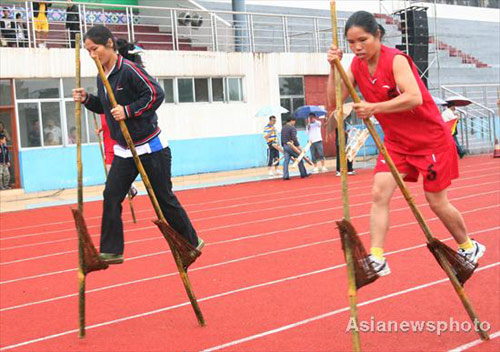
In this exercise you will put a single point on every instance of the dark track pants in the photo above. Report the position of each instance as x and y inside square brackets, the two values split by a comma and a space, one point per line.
[121, 175]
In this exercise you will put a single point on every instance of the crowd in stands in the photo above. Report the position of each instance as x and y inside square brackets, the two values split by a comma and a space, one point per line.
[14, 31]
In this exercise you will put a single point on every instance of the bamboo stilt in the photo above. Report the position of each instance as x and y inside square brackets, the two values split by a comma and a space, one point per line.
[81, 261]
[352, 291]
[129, 196]
[416, 212]
[152, 196]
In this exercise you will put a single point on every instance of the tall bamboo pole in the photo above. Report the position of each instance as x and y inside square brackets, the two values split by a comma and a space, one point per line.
[416, 212]
[152, 196]
[129, 196]
[81, 261]
[352, 291]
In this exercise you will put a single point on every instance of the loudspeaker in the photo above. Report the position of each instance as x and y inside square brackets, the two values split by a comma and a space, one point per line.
[414, 24]
[420, 56]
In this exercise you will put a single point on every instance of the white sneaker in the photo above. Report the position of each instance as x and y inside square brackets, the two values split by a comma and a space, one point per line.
[474, 253]
[278, 172]
[337, 173]
[315, 170]
[324, 169]
[271, 174]
[351, 173]
[380, 265]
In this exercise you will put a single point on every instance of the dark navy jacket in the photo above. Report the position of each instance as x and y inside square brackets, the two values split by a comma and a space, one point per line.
[4, 154]
[138, 93]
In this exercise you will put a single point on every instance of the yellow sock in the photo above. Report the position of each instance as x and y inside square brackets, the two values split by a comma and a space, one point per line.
[377, 252]
[466, 245]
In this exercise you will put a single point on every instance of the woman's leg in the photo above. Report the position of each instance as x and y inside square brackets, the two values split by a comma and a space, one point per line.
[121, 175]
[382, 191]
[448, 214]
[157, 166]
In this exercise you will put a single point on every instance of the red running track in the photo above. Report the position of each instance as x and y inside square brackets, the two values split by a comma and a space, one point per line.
[271, 278]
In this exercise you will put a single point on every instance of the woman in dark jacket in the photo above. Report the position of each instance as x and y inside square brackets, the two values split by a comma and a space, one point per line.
[138, 96]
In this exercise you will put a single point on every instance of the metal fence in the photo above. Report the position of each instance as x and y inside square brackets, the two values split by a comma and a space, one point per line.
[174, 28]
[478, 126]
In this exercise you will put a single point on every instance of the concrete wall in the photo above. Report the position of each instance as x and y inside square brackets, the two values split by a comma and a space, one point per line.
[204, 137]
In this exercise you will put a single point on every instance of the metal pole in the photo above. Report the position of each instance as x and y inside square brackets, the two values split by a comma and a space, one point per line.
[175, 34]
[33, 23]
[285, 34]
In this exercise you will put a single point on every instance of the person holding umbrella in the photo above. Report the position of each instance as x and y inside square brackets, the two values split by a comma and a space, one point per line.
[450, 117]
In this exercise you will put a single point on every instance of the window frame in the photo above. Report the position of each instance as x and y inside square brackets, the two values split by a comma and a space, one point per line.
[61, 100]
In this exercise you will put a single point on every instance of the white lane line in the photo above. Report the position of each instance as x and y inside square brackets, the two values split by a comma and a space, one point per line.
[474, 343]
[260, 220]
[298, 191]
[248, 288]
[244, 238]
[474, 167]
[228, 262]
[332, 313]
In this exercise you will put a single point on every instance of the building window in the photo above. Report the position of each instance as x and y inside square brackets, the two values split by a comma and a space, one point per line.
[234, 89]
[201, 90]
[168, 87]
[37, 88]
[186, 90]
[5, 92]
[292, 97]
[217, 89]
[46, 112]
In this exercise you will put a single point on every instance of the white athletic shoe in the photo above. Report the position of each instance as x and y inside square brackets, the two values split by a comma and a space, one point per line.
[271, 173]
[351, 173]
[337, 173]
[315, 170]
[380, 266]
[474, 253]
[324, 169]
[278, 172]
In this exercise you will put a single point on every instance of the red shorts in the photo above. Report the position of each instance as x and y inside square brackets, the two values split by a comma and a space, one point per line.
[437, 169]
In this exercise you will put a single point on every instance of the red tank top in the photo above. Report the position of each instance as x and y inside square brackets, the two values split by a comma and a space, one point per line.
[420, 131]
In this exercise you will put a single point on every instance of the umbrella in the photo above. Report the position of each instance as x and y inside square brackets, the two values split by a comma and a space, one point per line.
[269, 110]
[439, 101]
[458, 100]
[304, 111]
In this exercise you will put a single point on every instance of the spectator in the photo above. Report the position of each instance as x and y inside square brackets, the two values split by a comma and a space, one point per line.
[72, 135]
[273, 149]
[314, 133]
[7, 29]
[4, 131]
[41, 22]
[34, 139]
[450, 117]
[21, 32]
[51, 127]
[72, 22]
[4, 163]
[289, 134]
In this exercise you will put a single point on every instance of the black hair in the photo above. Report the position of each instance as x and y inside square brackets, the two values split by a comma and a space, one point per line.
[2, 136]
[100, 35]
[366, 21]
[312, 114]
[18, 14]
[291, 118]
[128, 51]
[272, 117]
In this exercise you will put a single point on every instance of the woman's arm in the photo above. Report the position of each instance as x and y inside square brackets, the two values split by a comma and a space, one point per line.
[409, 98]
[151, 94]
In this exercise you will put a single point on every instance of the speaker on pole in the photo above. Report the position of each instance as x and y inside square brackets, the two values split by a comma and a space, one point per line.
[415, 37]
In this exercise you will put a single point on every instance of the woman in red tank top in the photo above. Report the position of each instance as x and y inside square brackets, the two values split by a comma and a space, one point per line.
[414, 132]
